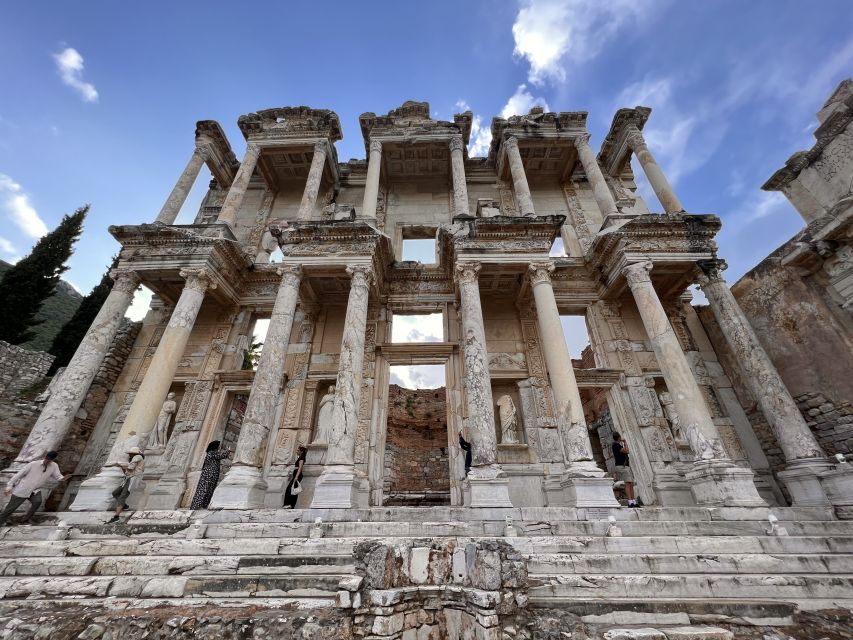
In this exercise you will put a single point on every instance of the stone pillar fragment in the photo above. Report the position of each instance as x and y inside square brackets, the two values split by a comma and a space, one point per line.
[338, 484]
[803, 455]
[65, 400]
[457, 166]
[584, 483]
[488, 482]
[600, 190]
[371, 186]
[312, 185]
[714, 480]
[663, 190]
[519, 177]
[231, 206]
[243, 487]
[95, 493]
[182, 188]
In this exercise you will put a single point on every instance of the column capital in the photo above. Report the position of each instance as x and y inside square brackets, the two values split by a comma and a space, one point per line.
[511, 143]
[581, 140]
[467, 272]
[638, 273]
[456, 143]
[634, 138]
[203, 150]
[321, 146]
[712, 271]
[198, 279]
[361, 274]
[290, 272]
[125, 280]
[253, 148]
[375, 145]
[540, 272]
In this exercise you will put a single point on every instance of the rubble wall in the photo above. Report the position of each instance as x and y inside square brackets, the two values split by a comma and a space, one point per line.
[21, 368]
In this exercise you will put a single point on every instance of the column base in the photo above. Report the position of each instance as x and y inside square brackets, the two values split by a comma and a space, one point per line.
[585, 485]
[339, 487]
[243, 487]
[488, 487]
[802, 477]
[671, 490]
[838, 485]
[96, 493]
[168, 493]
[719, 483]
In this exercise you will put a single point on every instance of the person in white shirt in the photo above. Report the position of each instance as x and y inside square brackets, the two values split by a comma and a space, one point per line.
[133, 471]
[28, 483]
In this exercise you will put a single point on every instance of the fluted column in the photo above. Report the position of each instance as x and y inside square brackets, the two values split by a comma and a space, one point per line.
[231, 206]
[185, 183]
[58, 413]
[803, 454]
[312, 185]
[519, 178]
[338, 484]
[714, 479]
[243, 487]
[95, 492]
[663, 190]
[457, 166]
[600, 190]
[371, 186]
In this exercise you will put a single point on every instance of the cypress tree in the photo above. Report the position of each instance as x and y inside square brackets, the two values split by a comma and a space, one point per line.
[33, 279]
[65, 342]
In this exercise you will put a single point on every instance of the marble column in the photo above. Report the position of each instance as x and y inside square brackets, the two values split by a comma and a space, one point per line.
[584, 484]
[519, 178]
[95, 493]
[244, 487]
[231, 206]
[338, 484]
[58, 413]
[663, 190]
[803, 455]
[371, 185]
[600, 190]
[487, 481]
[714, 480]
[182, 189]
[312, 185]
[457, 167]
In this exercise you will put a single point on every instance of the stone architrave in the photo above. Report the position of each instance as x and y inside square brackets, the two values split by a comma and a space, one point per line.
[457, 166]
[600, 190]
[244, 487]
[338, 484]
[312, 185]
[95, 493]
[487, 480]
[663, 190]
[803, 456]
[67, 396]
[231, 206]
[519, 177]
[371, 185]
[182, 188]
[715, 480]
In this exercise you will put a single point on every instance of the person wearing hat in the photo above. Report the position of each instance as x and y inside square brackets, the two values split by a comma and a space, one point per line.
[133, 470]
[28, 483]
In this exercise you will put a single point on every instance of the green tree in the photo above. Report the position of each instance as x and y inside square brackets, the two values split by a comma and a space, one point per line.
[252, 355]
[26, 285]
[69, 337]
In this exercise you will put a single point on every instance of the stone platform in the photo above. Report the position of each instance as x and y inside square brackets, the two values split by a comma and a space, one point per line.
[449, 572]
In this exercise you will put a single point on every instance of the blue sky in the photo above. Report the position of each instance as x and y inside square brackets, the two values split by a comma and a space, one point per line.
[98, 100]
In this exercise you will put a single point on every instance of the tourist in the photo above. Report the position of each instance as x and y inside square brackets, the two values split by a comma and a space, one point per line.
[133, 470]
[466, 447]
[209, 476]
[294, 487]
[28, 483]
[622, 470]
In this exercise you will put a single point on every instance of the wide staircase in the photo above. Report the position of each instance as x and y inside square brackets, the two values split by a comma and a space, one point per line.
[663, 569]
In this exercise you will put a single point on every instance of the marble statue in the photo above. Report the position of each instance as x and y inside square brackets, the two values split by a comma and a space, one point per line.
[509, 420]
[699, 443]
[160, 432]
[324, 417]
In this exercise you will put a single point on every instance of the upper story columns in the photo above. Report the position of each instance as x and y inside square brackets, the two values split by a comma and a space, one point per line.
[237, 192]
[519, 178]
[185, 183]
[457, 167]
[600, 190]
[663, 190]
[371, 185]
[312, 184]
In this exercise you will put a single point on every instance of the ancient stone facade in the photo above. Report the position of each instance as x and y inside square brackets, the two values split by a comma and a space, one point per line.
[20, 368]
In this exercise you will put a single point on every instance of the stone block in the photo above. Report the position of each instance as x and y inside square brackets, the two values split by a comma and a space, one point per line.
[698, 633]
[388, 625]
[419, 565]
[644, 633]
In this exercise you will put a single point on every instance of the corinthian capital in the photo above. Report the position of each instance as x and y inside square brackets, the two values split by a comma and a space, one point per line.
[375, 145]
[635, 139]
[456, 143]
[203, 150]
[511, 143]
[198, 279]
[125, 280]
[361, 274]
[581, 140]
[712, 271]
[540, 272]
[638, 273]
[320, 147]
[467, 272]
[290, 274]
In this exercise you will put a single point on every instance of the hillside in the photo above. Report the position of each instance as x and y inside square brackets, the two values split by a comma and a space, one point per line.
[55, 312]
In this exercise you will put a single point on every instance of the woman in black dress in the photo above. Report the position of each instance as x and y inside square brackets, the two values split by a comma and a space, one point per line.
[290, 498]
[209, 476]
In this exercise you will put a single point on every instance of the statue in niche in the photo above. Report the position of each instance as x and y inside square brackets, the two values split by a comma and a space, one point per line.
[324, 417]
[509, 420]
[699, 443]
[160, 432]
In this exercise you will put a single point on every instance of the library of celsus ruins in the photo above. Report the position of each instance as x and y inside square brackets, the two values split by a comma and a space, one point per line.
[740, 492]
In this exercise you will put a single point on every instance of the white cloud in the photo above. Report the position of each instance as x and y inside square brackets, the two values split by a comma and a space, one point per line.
[19, 208]
[420, 376]
[550, 33]
[140, 304]
[521, 102]
[481, 136]
[6, 246]
[69, 64]
[418, 328]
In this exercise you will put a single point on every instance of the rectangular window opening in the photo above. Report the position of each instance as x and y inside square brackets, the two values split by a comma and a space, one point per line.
[577, 339]
[419, 250]
[427, 327]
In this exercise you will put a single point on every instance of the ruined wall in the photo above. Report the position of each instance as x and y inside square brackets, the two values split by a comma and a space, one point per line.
[20, 368]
